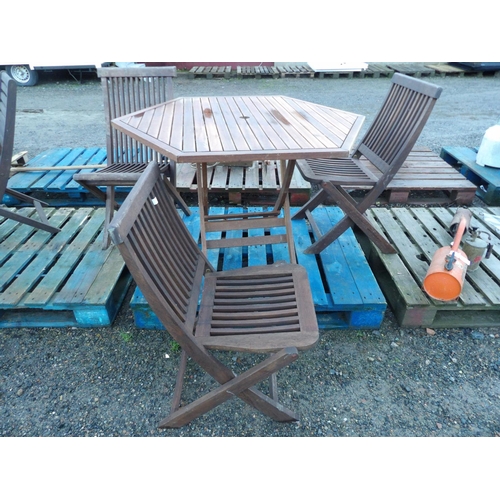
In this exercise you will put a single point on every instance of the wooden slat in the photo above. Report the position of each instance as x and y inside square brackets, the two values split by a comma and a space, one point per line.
[53, 279]
[418, 232]
[66, 279]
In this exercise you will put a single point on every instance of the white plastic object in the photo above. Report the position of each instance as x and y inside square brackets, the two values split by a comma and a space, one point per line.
[488, 154]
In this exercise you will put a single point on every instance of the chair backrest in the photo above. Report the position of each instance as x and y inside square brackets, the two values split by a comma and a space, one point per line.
[8, 89]
[126, 90]
[399, 122]
[162, 256]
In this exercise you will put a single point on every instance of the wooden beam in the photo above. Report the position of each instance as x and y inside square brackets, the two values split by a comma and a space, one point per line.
[41, 169]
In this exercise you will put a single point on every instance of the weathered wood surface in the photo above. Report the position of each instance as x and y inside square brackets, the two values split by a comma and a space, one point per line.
[296, 71]
[51, 181]
[417, 70]
[427, 178]
[59, 280]
[417, 233]
[258, 184]
[210, 72]
[257, 72]
[446, 70]
[241, 128]
[45, 176]
[378, 70]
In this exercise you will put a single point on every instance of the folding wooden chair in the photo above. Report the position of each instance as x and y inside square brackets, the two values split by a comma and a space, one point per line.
[260, 309]
[8, 90]
[127, 90]
[385, 145]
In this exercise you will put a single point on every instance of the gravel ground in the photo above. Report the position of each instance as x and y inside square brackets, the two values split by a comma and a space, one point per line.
[117, 381]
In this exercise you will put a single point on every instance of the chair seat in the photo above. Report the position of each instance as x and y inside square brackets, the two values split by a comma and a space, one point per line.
[116, 174]
[125, 168]
[344, 171]
[256, 309]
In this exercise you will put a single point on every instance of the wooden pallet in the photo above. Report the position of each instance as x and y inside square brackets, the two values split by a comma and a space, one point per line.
[345, 292]
[298, 71]
[425, 178]
[478, 70]
[56, 186]
[59, 280]
[339, 74]
[258, 184]
[487, 179]
[417, 233]
[257, 72]
[210, 72]
[377, 70]
[417, 70]
[446, 70]
[255, 185]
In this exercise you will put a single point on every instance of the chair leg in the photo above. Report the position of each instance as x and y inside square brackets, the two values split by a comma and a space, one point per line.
[43, 224]
[94, 190]
[273, 386]
[237, 386]
[176, 195]
[28, 221]
[320, 197]
[108, 215]
[24, 197]
[176, 399]
[354, 216]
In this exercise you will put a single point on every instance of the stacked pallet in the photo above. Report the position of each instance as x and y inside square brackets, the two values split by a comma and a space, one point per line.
[426, 178]
[374, 70]
[487, 179]
[416, 70]
[257, 72]
[256, 184]
[210, 71]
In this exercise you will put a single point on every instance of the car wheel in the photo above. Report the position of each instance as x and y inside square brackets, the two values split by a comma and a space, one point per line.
[23, 75]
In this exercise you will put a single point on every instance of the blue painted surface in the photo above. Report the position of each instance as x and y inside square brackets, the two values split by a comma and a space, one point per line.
[65, 279]
[345, 291]
[486, 178]
[59, 181]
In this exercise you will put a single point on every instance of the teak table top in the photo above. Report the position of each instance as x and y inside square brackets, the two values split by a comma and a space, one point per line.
[208, 129]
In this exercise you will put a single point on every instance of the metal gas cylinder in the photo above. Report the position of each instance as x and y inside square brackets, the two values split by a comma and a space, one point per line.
[476, 248]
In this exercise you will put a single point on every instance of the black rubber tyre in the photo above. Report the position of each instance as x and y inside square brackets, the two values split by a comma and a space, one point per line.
[23, 75]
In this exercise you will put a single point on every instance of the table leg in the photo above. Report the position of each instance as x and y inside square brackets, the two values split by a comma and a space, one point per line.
[286, 171]
[286, 174]
[202, 182]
